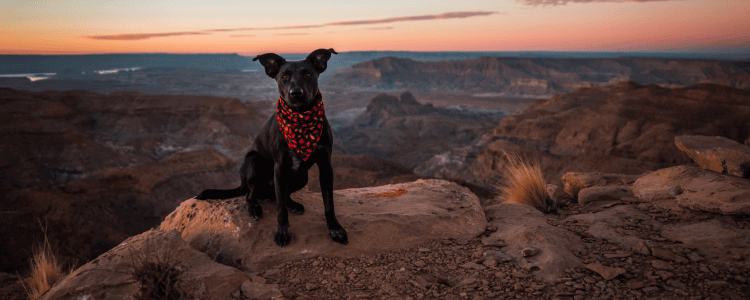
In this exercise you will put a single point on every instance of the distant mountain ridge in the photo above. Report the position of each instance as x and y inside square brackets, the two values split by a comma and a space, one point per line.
[521, 76]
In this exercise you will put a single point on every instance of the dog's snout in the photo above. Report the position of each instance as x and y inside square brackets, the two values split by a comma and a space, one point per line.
[296, 92]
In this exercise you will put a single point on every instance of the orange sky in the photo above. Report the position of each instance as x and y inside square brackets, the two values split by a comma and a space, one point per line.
[228, 26]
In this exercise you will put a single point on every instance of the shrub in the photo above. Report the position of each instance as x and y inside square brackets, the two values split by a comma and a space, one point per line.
[46, 269]
[158, 273]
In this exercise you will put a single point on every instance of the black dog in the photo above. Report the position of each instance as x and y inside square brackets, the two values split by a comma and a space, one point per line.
[277, 162]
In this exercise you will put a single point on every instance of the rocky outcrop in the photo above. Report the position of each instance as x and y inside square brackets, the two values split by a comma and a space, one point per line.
[143, 260]
[716, 153]
[602, 184]
[536, 246]
[377, 219]
[624, 128]
[696, 188]
[404, 131]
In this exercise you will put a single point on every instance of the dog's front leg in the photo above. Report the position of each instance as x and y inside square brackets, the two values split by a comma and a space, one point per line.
[326, 188]
[282, 174]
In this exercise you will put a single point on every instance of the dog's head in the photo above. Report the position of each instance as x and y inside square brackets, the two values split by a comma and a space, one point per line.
[297, 80]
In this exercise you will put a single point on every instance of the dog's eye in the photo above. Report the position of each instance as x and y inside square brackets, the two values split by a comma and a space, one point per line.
[308, 75]
[285, 77]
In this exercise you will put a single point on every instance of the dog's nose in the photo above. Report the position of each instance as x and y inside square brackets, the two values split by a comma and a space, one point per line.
[295, 92]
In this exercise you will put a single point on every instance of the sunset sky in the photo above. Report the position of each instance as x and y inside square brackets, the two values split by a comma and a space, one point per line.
[251, 27]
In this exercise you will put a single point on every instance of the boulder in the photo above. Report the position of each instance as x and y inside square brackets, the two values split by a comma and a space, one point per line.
[524, 229]
[576, 181]
[716, 153]
[377, 219]
[113, 274]
[697, 189]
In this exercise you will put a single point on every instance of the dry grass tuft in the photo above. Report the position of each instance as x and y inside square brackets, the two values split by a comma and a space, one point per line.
[46, 269]
[523, 182]
[158, 272]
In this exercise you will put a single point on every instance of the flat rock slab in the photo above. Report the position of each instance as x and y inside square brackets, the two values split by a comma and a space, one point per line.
[377, 219]
[609, 224]
[525, 230]
[110, 276]
[574, 182]
[607, 192]
[709, 151]
[697, 189]
[715, 239]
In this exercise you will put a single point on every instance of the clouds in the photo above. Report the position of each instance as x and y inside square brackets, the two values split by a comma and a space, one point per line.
[143, 36]
[564, 2]
[448, 15]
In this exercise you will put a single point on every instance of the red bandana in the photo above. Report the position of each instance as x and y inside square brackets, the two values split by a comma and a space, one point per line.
[301, 130]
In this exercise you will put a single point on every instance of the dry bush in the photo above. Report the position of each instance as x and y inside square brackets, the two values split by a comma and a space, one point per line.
[158, 272]
[523, 182]
[46, 269]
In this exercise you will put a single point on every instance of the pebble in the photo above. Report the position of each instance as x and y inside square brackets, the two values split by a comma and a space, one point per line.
[650, 290]
[419, 263]
[311, 286]
[662, 265]
[473, 266]
[340, 265]
[529, 252]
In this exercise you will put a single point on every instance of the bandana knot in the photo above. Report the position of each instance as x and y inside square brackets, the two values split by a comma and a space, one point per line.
[301, 130]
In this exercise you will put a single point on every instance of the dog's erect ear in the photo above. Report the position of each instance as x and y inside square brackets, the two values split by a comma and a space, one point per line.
[319, 59]
[271, 62]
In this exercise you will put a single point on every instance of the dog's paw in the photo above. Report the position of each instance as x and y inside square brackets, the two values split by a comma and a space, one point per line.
[282, 236]
[339, 236]
[256, 211]
[295, 207]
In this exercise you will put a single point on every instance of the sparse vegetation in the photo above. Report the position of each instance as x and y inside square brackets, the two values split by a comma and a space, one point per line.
[523, 182]
[46, 269]
[158, 272]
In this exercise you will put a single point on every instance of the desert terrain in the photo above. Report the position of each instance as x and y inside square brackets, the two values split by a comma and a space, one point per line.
[649, 160]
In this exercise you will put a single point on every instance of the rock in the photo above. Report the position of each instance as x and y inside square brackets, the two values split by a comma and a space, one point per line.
[697, 189]
[473, 266]
[661, 265]
[713, 238]
[496, 256]
[576, 181]
[519, 274]
[428, 210]
[493, 242]
[523, 227]
[529, 252]
[490, 263]
[635, 284]
[641, 248]
[112, 273]
[419, 263]
[668, 255]
[650, 290]
[609, 192]
[311, 286]
[608, 273]
[605, 224]
[716, 153]
[258, 291]
[717, 284]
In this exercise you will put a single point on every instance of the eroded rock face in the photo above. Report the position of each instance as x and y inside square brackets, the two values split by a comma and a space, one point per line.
[525, 230]
[111, 276]
[697, 189]
[716, 153]
[376, 219]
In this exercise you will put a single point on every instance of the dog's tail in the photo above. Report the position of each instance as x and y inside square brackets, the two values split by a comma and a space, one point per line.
[222, 194]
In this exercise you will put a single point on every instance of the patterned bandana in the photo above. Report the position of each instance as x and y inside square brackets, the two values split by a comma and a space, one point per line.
[301, 130]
